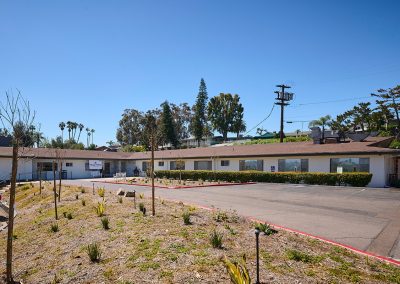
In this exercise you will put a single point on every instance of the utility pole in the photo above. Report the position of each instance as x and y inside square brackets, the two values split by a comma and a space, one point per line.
[283, 99]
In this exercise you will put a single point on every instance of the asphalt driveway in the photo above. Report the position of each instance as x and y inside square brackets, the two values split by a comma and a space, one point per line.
[364, 218]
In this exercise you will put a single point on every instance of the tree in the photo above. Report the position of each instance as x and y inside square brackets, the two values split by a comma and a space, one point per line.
[389, 98]
[130, 127]
[199, 119]
[150, 127]
[62, 127]
[80, 126]
[182, 116]
[16, 116]
[323, 122]
[92, 131]
[238, 124]
[87, 136]
[221, 113]
[167, 126]
[69, 128]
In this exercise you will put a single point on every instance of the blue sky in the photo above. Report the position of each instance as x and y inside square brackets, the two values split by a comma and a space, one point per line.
[87, 61]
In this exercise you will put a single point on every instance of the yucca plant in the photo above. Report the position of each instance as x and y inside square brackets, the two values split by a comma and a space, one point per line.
[237, 271]
[101, 192]
[186, 218]
[105, 222]
[216, 239]
[100, 209]
[54, 228]
[94, 252]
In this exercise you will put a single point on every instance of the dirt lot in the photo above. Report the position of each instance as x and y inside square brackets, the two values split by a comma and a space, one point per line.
[161, 249]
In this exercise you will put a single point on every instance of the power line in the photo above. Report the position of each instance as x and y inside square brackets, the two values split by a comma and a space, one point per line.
[272, 109]
[333, 101]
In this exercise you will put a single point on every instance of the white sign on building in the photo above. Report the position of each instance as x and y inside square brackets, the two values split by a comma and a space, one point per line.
[95, 164]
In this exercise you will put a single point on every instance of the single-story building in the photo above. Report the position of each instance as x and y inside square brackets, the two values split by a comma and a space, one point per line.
[371, 155]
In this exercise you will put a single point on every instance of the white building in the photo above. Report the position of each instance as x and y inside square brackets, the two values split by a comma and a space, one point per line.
[369, 156]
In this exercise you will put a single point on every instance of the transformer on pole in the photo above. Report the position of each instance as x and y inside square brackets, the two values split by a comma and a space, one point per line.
[283, 98]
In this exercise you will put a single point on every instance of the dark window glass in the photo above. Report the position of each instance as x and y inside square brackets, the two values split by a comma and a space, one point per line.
[177, 165]
[293, 165]
[225, 163]
[251, 165]
[350, 164]
[46, 166]
[161, 164]
[203, 165]
[68, 164]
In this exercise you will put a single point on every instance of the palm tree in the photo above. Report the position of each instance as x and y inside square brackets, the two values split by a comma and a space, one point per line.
[62, 127]
[110, 143]
[322, 121]
[69, 127]
[87, 136]
[80, 126]
[74, 127]
[92, 131]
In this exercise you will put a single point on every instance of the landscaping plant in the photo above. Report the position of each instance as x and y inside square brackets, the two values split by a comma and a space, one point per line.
[101, 192]
[216, 239]
[186, 218]
[54, 228]
[237, 271]
[266, 229]
[94, 252]
[105, 223]
[100, 209]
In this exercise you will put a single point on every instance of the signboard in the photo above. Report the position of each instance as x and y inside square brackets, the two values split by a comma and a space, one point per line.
[339, 170]
[95, 165]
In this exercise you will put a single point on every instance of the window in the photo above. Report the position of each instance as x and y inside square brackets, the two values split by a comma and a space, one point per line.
[293, 165]
[46, 166]
[251, 165]
[161, 164]
[350, 164]
[203, 165]
[123, 167]
[68, 164]
[177, 165]
[225, 163]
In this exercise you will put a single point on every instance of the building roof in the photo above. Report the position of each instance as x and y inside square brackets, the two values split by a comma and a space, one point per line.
[373, 145]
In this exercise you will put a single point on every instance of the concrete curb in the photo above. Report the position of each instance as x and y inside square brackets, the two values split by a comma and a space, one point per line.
[275, 226]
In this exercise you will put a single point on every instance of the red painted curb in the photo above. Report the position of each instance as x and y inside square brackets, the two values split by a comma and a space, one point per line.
[358, 251]
[175, 187]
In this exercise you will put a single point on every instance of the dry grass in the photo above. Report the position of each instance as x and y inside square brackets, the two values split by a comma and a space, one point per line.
[145, 249]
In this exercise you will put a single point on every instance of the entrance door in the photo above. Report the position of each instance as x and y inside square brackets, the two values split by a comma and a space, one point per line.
[107, 168]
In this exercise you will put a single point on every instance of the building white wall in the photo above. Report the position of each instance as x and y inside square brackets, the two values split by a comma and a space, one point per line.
[380, 165]
[24, 169]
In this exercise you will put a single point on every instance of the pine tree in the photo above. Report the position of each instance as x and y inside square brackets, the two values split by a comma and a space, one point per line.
[199, 120]
[167, 127]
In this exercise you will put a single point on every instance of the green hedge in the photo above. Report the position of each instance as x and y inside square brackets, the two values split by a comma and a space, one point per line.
[352, 179]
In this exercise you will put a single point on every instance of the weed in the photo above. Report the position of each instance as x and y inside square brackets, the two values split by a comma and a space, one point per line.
[105, 223]
[54, 228]
[56, 279]
[100, 209]
[231, 230]
[108, 273]
[186, 218]
[297, 255]
[69, 216]
[94, 252]
[238, 271]
[221, 216]
[216, 239]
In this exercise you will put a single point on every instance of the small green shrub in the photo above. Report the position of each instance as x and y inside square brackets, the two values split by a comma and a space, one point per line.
[186, 218]
[54, 228]
[83, 202]
[69, 216]
[142, 208]
[82, 189]
[221, 216]
[94, 252]
[76, 196]
[297, 255]
[238, 271]
[120, 199]
[100, 209]
[216, 239]
[105, 222]
[65, 214]
[266, 229]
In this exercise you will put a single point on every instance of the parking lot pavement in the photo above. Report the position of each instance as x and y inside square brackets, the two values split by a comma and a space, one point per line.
[364, 218]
